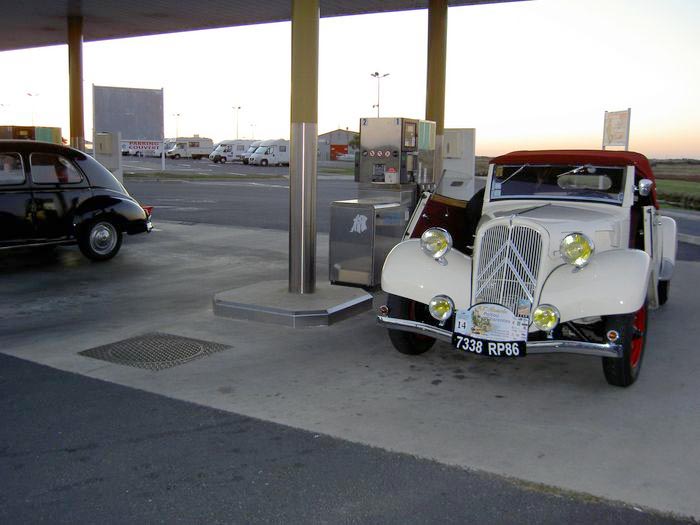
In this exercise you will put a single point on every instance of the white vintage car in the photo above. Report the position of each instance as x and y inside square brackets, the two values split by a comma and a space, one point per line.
[561, 252]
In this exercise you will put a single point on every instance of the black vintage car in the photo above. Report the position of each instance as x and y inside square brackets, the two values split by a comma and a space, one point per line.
[54, 195]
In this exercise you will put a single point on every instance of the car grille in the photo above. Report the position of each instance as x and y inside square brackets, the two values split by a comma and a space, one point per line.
[508, 267]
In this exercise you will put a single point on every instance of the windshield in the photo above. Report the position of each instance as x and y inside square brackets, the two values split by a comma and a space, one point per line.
[261, 150]
[251, 149]
[558, 182]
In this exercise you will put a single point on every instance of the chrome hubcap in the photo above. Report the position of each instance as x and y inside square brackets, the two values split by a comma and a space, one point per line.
[103, 238]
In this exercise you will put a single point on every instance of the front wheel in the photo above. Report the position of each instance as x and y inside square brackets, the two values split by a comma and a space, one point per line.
[222, 160]
[263, 162]
[632, 330]
[100, 240]
[406, 342]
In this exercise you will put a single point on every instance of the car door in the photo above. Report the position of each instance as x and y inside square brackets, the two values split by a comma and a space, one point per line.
[59, 188]
[16, 214]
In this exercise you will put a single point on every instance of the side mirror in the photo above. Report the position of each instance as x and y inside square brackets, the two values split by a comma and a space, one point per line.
[645, 186]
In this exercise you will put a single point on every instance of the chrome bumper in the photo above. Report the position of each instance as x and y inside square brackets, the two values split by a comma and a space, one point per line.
[533, 347]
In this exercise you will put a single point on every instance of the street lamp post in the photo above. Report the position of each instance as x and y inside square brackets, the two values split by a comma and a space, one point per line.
[378, 77]
[177, 124]
[236, 109]
[32, 96]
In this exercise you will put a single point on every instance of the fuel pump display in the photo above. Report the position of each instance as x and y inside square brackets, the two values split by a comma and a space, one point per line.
[396, 151]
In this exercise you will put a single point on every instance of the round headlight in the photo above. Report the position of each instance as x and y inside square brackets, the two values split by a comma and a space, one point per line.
[436, 242]
[441, 307]
[576, 249]
[545, 317]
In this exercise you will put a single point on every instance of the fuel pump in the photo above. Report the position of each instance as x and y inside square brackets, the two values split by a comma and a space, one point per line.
[394, 166]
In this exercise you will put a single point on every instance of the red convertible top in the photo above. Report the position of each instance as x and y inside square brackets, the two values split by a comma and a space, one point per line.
[583, 156]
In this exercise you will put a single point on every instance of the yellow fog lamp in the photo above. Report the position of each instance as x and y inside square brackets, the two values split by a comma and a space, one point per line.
[545, 317]
[576, 249]
[441, 308]
[436, 242]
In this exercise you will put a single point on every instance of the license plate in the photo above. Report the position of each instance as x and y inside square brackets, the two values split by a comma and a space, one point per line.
[489, 348]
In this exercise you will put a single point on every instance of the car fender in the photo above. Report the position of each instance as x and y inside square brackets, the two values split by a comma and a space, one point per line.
[613, 282]
[409, 272]
[122, 211]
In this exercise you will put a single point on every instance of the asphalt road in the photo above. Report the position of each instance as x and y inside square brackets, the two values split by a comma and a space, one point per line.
[255, 203]
[78, 450]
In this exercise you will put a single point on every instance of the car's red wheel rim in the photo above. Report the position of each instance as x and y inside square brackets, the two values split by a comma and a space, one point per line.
[640, 327]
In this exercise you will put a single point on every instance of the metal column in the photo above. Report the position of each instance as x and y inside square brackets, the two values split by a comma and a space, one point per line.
[304, 137]
[75, 81]
[437, 68]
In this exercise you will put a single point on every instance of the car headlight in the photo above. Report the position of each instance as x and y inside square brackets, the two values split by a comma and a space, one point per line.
[545, 317]
[436, 242]
[576, 249]
[441, 307]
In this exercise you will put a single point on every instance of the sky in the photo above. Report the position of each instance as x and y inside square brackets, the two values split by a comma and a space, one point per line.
[526, 75]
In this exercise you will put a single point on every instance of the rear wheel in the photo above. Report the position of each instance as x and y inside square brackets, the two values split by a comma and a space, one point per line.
[632, 329]
[100, 240]
[406, 342]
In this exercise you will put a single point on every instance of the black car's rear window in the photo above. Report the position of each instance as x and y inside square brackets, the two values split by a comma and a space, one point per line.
[49, 168]
[11, 169]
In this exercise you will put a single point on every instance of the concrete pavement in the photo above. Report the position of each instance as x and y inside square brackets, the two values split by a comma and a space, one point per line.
[545, 419]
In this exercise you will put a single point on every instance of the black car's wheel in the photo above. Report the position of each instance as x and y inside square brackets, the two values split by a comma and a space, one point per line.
[663, 290]
[406, 342]
[263, 162]
[633, 337]
[100, 240]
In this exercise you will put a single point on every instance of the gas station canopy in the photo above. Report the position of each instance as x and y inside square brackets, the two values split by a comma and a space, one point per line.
[43, 22]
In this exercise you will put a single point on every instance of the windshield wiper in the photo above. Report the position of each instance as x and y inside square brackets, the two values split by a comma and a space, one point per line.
[575, 171]
[521, 168]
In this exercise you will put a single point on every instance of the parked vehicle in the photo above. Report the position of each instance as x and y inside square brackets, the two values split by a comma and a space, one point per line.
[190, 148]
[272, 152]
[54, 195]
[230, 150]
[346, 157]
[567, 254]
[251, 149]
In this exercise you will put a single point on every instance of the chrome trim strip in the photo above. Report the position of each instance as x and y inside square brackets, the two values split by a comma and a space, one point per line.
[533, 347]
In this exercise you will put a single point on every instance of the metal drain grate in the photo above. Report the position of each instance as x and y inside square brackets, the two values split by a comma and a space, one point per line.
[154, 351]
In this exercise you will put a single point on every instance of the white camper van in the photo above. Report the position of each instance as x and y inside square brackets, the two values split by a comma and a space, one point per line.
[251, 149]
[190, 148]
[230, 150]
[273, 152]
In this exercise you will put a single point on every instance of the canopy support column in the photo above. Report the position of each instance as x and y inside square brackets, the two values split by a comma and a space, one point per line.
[304, 138]
[437, 69]
[75, 82]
